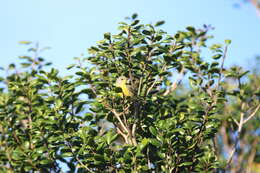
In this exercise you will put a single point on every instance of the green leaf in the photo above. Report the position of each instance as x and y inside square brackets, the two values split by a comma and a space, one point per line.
[89, 92]
[80, 73]
[11, 66]
[110, 137]
[217, 56]
[191, 29]
[143, 144]
[79, 107]
[25, 42]
[67, 154]
[70, 66]
[25, 65]
[186, 164]
[45, 162]
[159, 23]
[88, 116]
[107, 36]
[134, 16]
[26, 57]
[135, 22]
[153, 130]
[146, 32]
[155, 142]
[164, 73]
[228, 42]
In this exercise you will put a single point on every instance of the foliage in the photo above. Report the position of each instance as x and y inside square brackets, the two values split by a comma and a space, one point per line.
[85, 122]
[239, 133]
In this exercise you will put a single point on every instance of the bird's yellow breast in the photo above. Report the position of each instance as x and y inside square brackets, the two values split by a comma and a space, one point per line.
[126, 90]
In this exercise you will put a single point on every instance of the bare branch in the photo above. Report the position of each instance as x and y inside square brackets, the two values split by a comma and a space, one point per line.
[175, 84]
[240, 126]
[140, 86]
[119, 119]
[235, 121]
[222, 66]
[252, 114]
[241, 123]
[133, 134]
[122, 134]
[149, 89]
[156, 80]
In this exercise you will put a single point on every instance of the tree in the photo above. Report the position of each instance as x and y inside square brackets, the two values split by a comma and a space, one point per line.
[85, 122]
[239, 137]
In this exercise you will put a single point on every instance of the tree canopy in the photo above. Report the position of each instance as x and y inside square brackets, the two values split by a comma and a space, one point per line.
[188, 112]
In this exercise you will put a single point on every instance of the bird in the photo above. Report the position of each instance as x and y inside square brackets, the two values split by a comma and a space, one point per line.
[122, 82]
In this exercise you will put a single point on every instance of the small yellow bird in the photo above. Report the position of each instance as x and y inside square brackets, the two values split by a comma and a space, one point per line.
[121, 82]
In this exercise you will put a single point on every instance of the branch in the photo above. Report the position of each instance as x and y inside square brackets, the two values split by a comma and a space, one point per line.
[149, 89]
[124, 127]
[133, 134]
[253, 114]
[122, 134]
[241, 123]
[139, 86]
[76, 157]
[119, 119]
[175, 84]
[235, 121]
[156, 80]
[222, 66]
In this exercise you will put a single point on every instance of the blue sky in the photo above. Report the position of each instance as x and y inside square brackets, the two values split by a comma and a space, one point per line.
[70, 27]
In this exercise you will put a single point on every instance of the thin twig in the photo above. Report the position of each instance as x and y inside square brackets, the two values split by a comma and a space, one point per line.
[175, 84]
[149, 89]
[235, 121]
[156, 80]
[253, 114]
[237, 137]
[222, 66]
[81, 163]
[240, 125]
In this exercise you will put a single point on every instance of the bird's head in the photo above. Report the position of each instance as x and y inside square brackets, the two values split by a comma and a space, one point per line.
[121, 80]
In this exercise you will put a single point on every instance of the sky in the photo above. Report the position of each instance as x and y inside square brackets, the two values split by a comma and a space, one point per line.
[70, 27]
